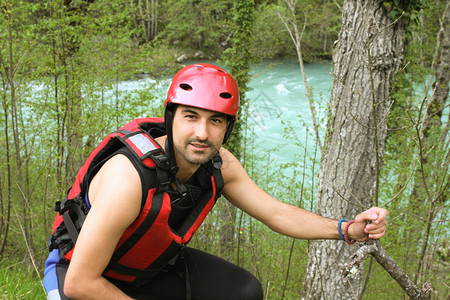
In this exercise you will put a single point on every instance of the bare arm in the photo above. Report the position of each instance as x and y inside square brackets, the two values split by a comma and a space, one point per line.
[115, 195]
[287, 219]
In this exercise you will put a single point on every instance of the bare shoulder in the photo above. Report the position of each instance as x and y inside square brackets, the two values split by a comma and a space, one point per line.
[115, 196]
[117, 185]
[232, 169]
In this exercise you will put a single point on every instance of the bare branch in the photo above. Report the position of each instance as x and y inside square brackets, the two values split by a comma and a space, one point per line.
[374, 248]
[297, 40]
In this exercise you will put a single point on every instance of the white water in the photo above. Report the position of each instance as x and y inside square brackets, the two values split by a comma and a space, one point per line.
[278, 94]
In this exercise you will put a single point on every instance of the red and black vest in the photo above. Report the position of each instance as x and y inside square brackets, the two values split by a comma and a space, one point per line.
[149, 244]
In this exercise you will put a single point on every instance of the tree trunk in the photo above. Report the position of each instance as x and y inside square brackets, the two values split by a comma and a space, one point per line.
[367, 55]
[5, 199]
[154, 19]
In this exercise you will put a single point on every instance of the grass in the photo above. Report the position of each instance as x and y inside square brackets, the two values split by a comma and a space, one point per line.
[18, 282]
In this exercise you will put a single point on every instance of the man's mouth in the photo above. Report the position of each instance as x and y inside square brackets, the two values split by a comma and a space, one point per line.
[200, 146]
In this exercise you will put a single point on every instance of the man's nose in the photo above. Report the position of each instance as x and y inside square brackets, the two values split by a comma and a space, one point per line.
[201, 131]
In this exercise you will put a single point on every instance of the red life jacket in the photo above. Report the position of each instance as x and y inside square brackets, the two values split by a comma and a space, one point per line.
[149, 244]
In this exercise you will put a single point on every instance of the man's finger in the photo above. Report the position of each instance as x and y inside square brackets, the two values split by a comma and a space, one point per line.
[375, 214]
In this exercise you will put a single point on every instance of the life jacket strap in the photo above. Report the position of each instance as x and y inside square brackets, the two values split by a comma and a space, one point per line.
[140, 143]
[217, 173]
[162, 171]
[74, 213]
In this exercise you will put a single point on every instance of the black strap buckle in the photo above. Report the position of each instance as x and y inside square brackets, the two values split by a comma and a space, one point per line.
[217, 161]
[161, 160]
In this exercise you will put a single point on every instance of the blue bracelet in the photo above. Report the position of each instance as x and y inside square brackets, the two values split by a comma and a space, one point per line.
[339, 228]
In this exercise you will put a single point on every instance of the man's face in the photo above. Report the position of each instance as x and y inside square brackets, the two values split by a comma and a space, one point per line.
[197, 134]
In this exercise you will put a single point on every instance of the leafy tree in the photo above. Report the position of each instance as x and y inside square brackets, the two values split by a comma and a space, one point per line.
[15, 186]
[266, 44]
[200, 27]
[146, 18]
[320, 21]
[418, 148]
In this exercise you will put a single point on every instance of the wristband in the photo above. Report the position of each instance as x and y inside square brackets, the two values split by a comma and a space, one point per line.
[350, 242]
[339, 228]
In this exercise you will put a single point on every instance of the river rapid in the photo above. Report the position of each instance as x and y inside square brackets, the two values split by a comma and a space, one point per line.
[279, 95]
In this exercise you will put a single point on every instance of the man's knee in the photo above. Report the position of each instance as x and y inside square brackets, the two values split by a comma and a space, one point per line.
[251, 288]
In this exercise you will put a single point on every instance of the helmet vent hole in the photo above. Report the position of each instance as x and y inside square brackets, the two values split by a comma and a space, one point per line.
[225, 95]
[186, 87]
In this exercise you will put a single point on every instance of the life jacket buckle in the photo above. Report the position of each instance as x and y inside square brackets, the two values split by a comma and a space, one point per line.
[57, 206]
[51, 244]
[161, 160]
[217, 162]
[164, 186]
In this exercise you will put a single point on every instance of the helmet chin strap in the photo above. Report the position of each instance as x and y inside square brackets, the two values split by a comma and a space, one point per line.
[173, 168]
[168, 119]
[229, 129]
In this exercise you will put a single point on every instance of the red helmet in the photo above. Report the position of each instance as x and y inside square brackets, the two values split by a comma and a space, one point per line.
[204, 86]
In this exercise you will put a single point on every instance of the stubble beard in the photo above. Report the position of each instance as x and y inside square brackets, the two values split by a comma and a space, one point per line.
[199, 157]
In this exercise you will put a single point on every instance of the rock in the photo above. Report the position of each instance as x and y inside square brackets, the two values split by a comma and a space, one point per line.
[182, 57]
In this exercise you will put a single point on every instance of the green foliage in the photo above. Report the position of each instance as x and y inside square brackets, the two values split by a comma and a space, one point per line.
[238, 58]
[271, 39]
[198, 27]
[322, 22]
[204, 29]
[319, 22]
[408, 8]
[416, 161]
[65, 94]
[19, 283]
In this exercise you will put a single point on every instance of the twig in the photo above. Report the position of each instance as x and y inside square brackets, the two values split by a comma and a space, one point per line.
[296, 38]
[360, 204]
[404, 186]
[374, 248]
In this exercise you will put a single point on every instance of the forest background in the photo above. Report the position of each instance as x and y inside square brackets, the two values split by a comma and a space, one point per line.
[61, 63]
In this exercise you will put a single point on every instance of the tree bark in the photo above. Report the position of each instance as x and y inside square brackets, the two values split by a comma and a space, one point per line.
[367, 55]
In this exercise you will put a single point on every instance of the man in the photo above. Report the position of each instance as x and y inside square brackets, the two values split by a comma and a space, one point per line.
[147, 192]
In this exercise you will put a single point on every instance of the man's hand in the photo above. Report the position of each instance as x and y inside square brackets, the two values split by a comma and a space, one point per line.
[369, 224]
